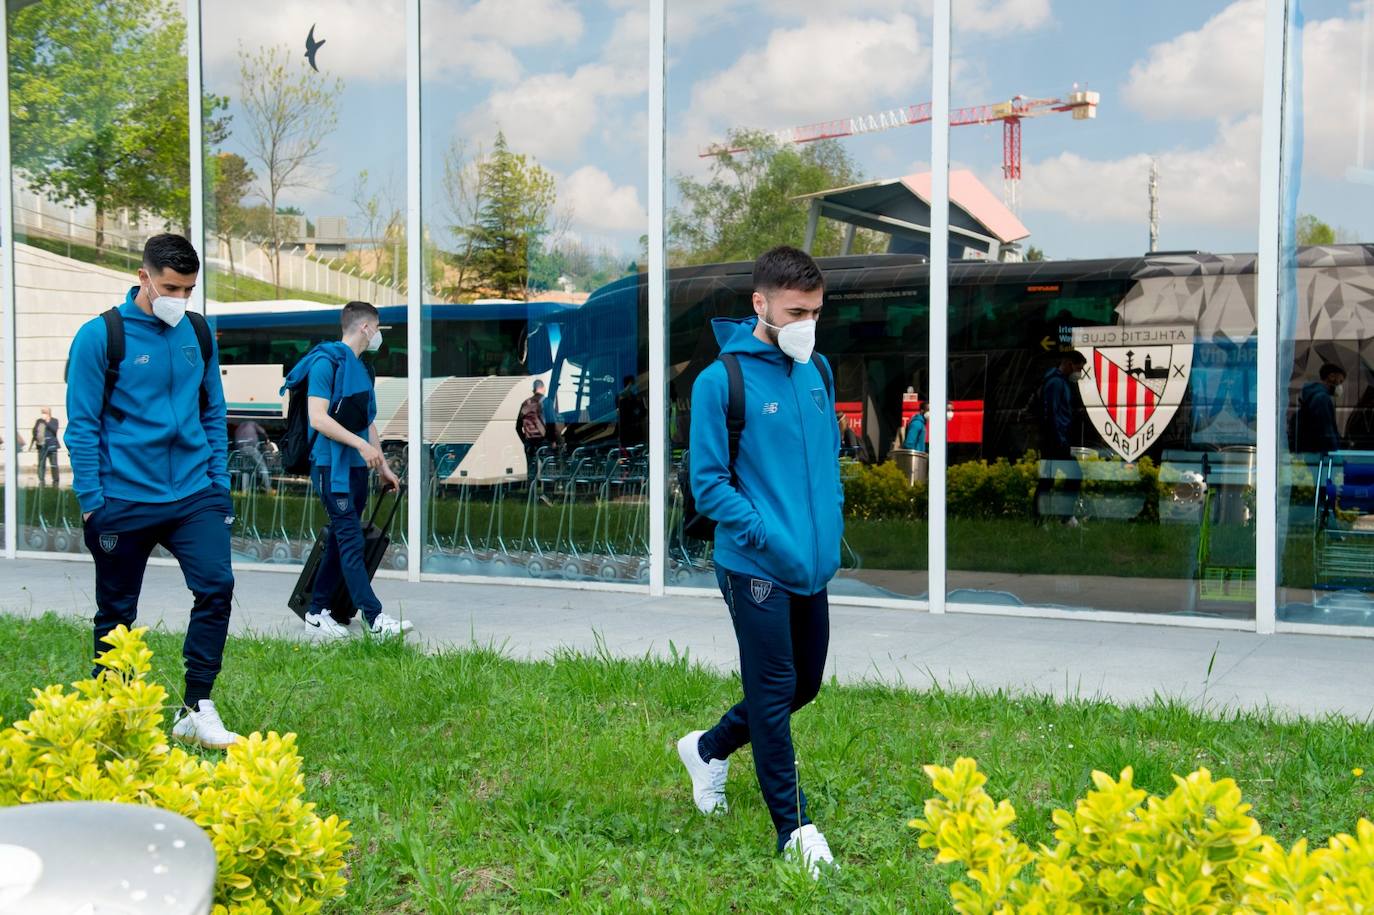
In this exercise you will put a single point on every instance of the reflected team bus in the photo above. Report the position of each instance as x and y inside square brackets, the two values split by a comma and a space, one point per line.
[1170, 339]
[478, 360]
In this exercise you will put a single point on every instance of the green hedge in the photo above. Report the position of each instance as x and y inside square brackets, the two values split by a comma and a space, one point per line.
[979, 489]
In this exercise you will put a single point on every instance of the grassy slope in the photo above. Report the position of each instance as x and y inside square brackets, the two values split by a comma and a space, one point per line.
[476, 783]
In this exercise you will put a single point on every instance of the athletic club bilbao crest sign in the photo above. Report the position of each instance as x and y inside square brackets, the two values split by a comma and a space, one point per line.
[1134, 381]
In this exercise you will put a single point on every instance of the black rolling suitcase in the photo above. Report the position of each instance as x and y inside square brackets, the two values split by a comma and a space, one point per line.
[376, 539]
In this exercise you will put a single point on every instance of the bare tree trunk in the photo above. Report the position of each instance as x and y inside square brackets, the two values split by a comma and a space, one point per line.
[99, 228]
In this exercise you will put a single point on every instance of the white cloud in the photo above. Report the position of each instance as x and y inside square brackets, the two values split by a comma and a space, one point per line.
[1217, 186]
[969, 15]
[598, 203]
[550, 115]
[1215, 71]
[365, 39]
[1212, 73]
[824, 69]
[1000, 16]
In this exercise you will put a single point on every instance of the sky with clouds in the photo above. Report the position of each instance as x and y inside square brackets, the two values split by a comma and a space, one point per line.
[566, 81]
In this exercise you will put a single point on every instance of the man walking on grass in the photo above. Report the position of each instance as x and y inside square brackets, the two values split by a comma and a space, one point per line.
[779, 513]
[149, 455]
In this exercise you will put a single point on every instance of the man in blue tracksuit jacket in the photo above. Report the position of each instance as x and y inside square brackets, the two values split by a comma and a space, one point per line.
[149, 468]
[779, 521]
[345, 448]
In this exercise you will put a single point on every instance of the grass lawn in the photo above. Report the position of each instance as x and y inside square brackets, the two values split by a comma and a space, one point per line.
[477, 783]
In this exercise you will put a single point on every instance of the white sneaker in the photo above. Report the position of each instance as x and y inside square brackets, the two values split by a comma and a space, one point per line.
[708, 778]
[388, 625]
[204, 728]
[808, 845]
[322, 623]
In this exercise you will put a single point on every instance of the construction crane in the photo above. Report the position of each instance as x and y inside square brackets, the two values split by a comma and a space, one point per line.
[1081, 103]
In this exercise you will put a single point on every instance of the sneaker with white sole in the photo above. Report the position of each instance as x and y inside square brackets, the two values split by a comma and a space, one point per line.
[808, 845]
[389, 625]
[204, 728]
[325, 626]
[708, 778]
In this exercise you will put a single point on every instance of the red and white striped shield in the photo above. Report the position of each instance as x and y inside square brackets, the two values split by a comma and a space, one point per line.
[1134, 381]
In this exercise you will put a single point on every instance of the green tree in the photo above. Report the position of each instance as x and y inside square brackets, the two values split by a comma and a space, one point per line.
[516, 213]
[1034, 254]
[98, 106]
[1312, 231]
[748, 203]
[290, 111]
[226, 218]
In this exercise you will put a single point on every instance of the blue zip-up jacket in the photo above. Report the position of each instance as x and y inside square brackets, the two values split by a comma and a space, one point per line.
[784, 518]
[350, 380]
[166, 448]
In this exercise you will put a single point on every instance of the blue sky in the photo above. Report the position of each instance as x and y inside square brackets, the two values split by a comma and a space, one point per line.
[1180, 81]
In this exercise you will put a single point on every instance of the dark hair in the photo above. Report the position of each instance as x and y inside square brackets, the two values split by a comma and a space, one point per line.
[355, 312]
[1331, 368]
[785, 267]
[168, 251]
[1075, 357]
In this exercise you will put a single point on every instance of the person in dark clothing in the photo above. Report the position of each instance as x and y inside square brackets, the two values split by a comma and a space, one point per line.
[150, 468]
[1314, 425]
[530, 426]
[631, 414]
[1056, 422]
[45, 442]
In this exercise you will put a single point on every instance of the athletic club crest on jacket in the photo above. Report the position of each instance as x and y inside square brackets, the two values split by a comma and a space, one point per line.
[1134, 381]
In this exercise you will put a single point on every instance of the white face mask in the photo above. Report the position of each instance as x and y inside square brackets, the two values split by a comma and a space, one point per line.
[1338, 390]
[1075, 377]
[374, 342]
[169, 309]
[797, 339]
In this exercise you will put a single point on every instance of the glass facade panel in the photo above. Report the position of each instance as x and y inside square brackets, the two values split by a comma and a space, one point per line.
[1103, 205]
[840, 169]
[1102, 361]
[304, 211]
[534, 192]
[98, 140]
[1326, 325]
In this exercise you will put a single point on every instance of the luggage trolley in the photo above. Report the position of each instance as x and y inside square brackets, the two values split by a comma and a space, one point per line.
[1343, 542]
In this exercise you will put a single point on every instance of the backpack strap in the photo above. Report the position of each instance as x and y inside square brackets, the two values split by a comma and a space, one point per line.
[207, 349]
[114, 355]
[824, 368]
[734, 410]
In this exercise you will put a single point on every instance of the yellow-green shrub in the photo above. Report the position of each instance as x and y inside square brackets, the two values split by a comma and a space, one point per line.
[104, 742]
[1195, 852]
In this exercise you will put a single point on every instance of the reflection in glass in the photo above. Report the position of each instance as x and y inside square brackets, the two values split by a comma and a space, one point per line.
[304, 177]
[1102, 445]
[98, 138]
[1326, 331]
[535, 422]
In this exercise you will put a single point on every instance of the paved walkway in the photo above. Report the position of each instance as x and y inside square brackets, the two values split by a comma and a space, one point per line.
[1294, 674]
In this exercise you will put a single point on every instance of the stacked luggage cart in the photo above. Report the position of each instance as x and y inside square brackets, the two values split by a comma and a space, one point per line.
[576, 515]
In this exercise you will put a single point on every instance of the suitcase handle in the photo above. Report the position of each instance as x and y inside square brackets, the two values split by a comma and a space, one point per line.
[395, 505]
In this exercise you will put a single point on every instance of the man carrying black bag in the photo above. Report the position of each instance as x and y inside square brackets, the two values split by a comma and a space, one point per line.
[342, 409]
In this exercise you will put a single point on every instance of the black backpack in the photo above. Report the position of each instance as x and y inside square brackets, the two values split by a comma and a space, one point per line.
[694, 523]
[114, 355]
[299, 439]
